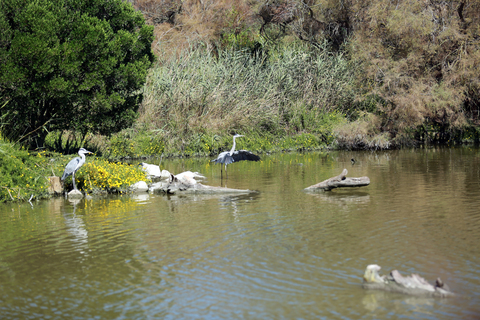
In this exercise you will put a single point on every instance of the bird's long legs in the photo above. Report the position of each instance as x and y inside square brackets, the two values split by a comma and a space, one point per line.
[73, 179]
[221, 172]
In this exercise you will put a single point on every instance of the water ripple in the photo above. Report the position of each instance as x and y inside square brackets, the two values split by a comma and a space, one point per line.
[276, 254]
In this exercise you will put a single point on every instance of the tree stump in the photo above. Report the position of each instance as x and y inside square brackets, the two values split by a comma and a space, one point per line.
[55, 186]
[340, 181]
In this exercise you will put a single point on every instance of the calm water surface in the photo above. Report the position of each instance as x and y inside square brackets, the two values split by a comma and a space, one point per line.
[278, 253]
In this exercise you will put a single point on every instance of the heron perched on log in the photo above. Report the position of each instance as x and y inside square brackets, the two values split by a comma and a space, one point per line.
[74, 165]
[231, 156]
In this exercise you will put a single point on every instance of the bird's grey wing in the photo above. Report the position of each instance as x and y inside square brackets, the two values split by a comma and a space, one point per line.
[228, 159]
[221, 157]
[71, 166]
[241, 155]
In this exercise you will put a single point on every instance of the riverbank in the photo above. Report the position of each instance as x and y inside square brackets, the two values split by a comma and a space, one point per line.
[25, 174]
[291, 98]
[294, 99]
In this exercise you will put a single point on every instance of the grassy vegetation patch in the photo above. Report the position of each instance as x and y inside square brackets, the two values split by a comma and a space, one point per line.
[24, 174]
[191, 99]
[137, 145]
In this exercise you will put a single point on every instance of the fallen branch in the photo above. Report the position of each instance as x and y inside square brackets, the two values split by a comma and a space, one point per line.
[340, 181]
[395, 282]
[185, 182]
[204, 189]
[8, 190]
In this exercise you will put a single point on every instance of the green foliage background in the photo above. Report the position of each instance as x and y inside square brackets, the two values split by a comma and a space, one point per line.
[70, 65]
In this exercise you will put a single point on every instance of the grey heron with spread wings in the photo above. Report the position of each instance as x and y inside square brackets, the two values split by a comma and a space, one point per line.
[231, 156]
[74, 165]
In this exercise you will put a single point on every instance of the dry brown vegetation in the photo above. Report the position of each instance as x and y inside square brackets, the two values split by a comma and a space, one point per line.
[182, 24]
[419, 61]
[422, 57]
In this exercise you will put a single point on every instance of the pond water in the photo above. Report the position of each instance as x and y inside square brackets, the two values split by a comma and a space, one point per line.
[278, 253]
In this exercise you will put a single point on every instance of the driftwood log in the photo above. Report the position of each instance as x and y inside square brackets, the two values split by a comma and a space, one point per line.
[339, 181]
[186, 183]
[395, 282]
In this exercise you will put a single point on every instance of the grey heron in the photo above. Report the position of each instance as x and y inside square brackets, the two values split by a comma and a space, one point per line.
[74, 165]
[231, 156]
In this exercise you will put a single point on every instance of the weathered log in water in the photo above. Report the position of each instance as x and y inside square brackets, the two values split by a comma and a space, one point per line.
[185, 183]
[411, 285]
[198, 188]
[340, 181]
[204, 189]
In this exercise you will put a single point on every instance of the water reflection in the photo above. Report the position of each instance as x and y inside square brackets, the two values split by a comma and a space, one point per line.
[141, 197]
[342, 197]
[278, 253]
[186, 201]
[76, 227]
[373, 301]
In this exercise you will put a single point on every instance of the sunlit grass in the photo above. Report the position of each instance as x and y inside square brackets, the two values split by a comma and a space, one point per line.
[23, 174]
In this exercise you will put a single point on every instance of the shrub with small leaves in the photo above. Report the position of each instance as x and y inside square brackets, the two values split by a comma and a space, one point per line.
[23, 174]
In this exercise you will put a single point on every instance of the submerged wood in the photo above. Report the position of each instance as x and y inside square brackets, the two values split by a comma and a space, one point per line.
[340, 181]
[203, 189]
[411, 285]
[185, 183]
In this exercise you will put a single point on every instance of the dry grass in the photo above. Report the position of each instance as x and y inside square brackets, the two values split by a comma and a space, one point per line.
[179, 24]
[362, 134]
[423, 58]
[238, 92]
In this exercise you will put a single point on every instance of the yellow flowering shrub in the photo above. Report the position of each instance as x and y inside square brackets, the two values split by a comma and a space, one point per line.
[102, 175]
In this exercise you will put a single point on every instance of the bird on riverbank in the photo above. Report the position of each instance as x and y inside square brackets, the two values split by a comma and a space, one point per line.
[74, 165]
[231, 156]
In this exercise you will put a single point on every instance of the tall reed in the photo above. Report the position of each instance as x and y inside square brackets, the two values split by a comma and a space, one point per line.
[283, 92]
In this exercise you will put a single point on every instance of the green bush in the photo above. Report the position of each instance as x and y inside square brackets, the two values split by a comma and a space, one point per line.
[127, 144]
[23, 174]
[70, 65]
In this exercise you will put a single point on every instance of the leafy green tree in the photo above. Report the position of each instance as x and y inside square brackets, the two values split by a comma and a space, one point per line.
[70, 65]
